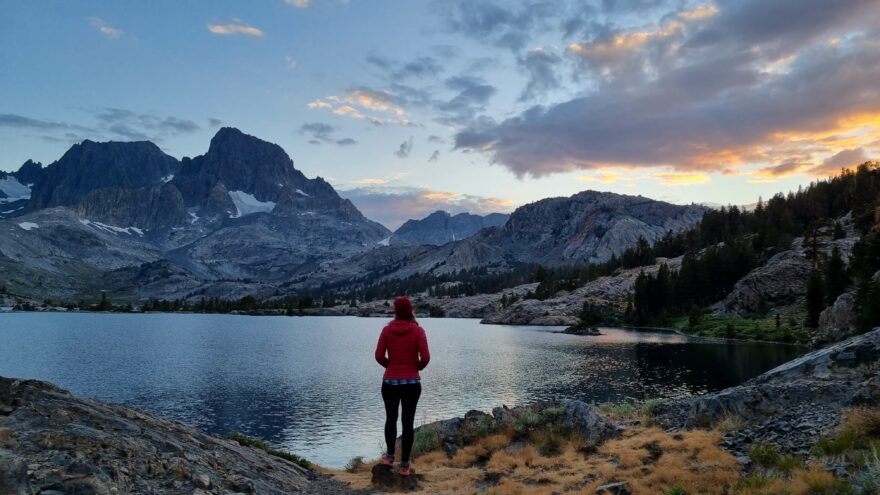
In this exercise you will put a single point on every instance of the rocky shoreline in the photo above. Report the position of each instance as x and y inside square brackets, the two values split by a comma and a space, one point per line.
[54, 443]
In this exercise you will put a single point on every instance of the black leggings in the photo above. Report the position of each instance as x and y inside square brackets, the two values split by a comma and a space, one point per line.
[394, 396]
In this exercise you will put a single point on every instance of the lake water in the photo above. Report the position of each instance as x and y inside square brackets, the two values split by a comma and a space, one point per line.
[310, 384]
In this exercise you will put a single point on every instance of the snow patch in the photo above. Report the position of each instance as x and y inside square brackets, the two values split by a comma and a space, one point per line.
[300, 191]
[195, 218]
[384, 242]
[28, 225]
[247, 204]
[11, 211]
[13, 189]
[112, 229]
[168, 178]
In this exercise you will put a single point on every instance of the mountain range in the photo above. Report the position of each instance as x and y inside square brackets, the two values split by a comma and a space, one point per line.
[126, 218]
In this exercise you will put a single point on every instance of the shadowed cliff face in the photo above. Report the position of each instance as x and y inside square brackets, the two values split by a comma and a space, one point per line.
[91, 166]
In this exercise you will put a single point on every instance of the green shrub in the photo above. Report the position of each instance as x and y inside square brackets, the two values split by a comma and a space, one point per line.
[764, 454]
[427, 439]
[752, 482]
[868, 478]
[676, 490]
[259, 444]
[526, 422]
[354, 464]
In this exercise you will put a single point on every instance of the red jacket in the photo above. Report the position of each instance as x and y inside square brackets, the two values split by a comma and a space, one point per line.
[407, 350]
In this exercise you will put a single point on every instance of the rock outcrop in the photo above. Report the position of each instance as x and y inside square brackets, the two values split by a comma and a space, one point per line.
[783, 279]
[52, 442]
[793, 404]
[837, 321]
[609, 293]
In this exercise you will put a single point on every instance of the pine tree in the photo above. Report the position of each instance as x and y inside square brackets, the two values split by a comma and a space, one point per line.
[104, 305]
[836, 279]
[815, 298]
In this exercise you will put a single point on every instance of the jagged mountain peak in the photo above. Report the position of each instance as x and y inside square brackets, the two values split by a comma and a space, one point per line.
[240, 162]
[441, 227]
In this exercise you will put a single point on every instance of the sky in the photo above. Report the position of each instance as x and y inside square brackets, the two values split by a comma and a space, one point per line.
[409, 106]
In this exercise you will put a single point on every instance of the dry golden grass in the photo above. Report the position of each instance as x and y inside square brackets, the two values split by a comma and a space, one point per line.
[650, 459]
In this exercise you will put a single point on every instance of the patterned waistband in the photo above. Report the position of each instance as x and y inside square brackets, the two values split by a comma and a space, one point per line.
[407, 381]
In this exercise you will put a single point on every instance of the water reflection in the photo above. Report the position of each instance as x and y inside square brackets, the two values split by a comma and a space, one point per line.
[310, 384]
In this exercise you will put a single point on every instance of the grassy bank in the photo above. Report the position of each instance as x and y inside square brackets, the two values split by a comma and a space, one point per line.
[767, 328]
[536, 455]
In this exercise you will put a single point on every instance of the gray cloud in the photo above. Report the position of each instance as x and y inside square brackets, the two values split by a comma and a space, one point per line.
[843, 159]
[434, 156]
[436, 139]
[21, 122]
[111, 122]
[320, 132]
[405, 149]
[502, 26]
[142, 126]
[541, 68]
[700, 92]
[394, 70]
[214, 122]
[473, 95]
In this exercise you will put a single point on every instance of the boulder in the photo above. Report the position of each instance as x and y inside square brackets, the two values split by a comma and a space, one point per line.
[586, 421]
[837, 321]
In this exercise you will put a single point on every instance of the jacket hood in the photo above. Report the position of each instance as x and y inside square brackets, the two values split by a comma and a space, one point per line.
[401, 327]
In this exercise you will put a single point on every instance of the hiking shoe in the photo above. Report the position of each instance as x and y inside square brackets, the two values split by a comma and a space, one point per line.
[388, 460]
[405, 469]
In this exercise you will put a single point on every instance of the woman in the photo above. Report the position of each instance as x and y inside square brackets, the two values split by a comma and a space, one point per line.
[403, 351]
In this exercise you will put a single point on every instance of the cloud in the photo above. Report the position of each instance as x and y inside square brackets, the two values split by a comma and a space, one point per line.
[434, 156]
[682, 178]
[743, 84]
[109, 123]
[433, 138]
[324, 133]
[214, 122]
[422, 66]
[237, 26]
[405, 148]
[393, 204]
[300, 4]
[841, 160]
[378, 107]
[604, 177]
[22, 122]
[541, 68]
[499, 25]
[142, 126]
[290, 62]
[107, 30]
[473, 93]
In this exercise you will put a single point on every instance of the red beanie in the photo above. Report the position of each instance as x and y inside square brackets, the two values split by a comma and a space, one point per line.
[403, 309]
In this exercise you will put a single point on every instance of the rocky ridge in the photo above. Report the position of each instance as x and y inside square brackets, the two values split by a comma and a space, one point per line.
[440, 228]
